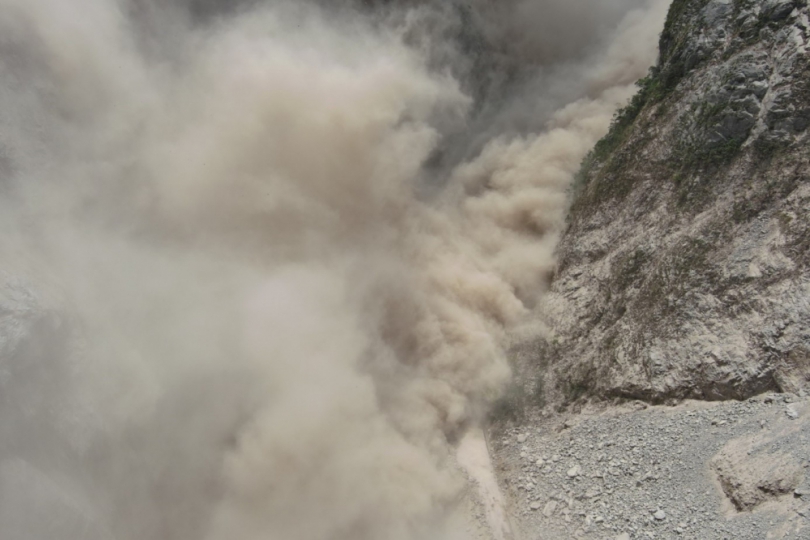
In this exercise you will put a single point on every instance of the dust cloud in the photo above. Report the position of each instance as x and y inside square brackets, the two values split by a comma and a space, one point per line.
[262, 259]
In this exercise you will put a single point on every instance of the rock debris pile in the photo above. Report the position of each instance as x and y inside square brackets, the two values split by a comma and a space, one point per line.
[696, 471]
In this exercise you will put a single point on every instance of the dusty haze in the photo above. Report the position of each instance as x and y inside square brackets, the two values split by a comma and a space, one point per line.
[268, 255]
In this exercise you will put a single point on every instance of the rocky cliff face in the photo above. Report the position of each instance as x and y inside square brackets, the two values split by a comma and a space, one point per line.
[684, 271]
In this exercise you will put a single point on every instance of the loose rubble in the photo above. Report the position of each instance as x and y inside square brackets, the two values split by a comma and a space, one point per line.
[699, 471]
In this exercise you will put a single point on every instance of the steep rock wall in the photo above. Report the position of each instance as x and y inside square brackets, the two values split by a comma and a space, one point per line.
[684, 270]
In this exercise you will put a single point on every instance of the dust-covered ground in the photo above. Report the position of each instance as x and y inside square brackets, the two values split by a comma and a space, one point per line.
[701, 471]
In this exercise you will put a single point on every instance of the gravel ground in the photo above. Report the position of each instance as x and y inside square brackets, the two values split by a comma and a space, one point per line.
[702, 471]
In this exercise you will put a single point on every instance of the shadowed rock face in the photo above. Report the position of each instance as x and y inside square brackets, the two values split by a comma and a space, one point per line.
[685, 268]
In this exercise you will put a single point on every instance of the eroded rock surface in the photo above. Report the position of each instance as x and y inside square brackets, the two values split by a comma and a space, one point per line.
[685, 268]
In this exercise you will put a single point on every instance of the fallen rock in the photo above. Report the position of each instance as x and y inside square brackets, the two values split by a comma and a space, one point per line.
[750, 478]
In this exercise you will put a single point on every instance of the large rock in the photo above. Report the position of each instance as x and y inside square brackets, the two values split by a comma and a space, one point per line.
[755, 469]
[684, 271]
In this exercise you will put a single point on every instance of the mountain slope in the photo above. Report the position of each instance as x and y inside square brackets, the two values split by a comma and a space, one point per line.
[684, 269]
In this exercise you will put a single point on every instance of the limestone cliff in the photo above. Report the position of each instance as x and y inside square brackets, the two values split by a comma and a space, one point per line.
[684, 271]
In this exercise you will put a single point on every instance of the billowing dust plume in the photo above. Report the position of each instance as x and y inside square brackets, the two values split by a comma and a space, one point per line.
[262, 259]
